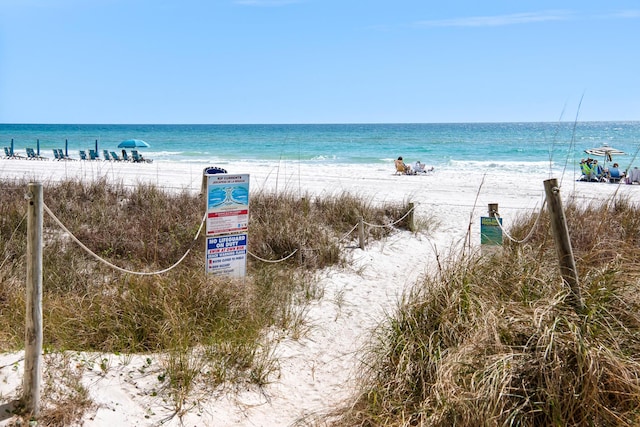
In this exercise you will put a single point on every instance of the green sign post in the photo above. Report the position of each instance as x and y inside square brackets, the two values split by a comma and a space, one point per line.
[490, 231]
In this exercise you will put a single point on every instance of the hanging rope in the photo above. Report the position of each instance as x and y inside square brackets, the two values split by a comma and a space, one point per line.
[535, 225]
[348, 233]
[123, 270]
[339, 240]
[393, 223]
[273, 261]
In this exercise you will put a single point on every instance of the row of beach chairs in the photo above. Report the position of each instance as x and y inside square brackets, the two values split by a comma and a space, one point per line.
[108, 156]
[8, 154]
[112, 156]
[58, 154]
[31, 154]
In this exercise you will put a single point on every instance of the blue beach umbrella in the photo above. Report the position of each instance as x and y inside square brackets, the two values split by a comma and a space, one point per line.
[38, 147]
[133, 143]
[66, 148]
[11, 151]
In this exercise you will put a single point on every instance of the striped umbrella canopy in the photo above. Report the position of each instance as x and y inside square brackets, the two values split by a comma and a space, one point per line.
[605, 151]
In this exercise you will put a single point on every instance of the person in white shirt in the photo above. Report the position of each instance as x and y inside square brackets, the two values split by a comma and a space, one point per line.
[420, 167]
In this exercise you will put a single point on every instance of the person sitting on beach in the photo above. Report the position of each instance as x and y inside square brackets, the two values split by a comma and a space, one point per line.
[589, 170]
[633, 176]
[419, 167]
[598, 171]
[402, 167]
[613, 173]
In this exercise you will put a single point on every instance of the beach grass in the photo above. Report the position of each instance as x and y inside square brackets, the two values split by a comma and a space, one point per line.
[199, 330]
[493, 340]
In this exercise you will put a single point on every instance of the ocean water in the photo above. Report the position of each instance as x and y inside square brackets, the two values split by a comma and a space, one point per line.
[501, 147]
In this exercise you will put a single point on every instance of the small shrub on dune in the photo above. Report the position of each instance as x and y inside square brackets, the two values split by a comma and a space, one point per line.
[285, 223]
[140, 226]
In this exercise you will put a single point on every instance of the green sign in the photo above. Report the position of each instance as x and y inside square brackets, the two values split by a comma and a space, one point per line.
[490, 231]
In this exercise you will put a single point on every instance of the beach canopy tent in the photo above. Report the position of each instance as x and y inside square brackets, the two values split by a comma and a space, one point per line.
[133, 143]
[605, 151]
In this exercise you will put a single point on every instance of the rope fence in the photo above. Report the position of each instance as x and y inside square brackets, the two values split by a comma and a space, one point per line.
[109, 264]
[273, 261]
[533, 228]
[146, 273]
[393, 223]
[202, 222]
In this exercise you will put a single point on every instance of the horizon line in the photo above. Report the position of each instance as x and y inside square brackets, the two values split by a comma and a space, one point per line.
[311, 123]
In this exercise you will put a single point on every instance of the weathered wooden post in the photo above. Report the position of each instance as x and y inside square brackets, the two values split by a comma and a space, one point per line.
[493, 210]
[410, 220]
[33, 328]
[361, 233]
[563, 242]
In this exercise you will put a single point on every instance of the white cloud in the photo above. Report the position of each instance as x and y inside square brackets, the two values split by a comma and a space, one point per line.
[498, 20]
[631, 14]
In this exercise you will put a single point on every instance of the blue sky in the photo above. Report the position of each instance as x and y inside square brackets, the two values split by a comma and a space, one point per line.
[318, 61]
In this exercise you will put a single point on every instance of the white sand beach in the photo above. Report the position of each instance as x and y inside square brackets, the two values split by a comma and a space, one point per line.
[316, 371]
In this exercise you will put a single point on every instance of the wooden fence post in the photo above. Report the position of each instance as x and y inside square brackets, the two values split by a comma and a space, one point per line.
[361, 233]
[410, 219]
[493, 210]
[563, 243]
[33, 318]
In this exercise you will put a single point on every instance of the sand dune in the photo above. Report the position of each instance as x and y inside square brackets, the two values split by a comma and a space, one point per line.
[317, 370]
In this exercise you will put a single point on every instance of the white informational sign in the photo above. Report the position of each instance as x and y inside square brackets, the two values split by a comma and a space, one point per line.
[227, 255]
[227, 223]
[227, 203]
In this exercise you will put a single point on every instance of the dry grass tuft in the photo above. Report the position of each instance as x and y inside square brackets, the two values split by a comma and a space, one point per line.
[493, 341]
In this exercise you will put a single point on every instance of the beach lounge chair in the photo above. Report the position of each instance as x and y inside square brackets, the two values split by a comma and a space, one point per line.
[105, 154]
[56, 156]
[114, 156]
[633, 176]
[83, 155]
[93, 155]
[421, 168]
[13, 155]
[62, 156]
[137, 157]
[125, 156]
[31, 155]
[589, 172]
[614, 174]
[402, 168]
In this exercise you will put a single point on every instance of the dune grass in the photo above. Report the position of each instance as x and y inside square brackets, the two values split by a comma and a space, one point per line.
[494, 341]
[210, 330]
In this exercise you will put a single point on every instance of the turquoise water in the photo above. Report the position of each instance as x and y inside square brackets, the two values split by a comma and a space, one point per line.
[459, 145]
